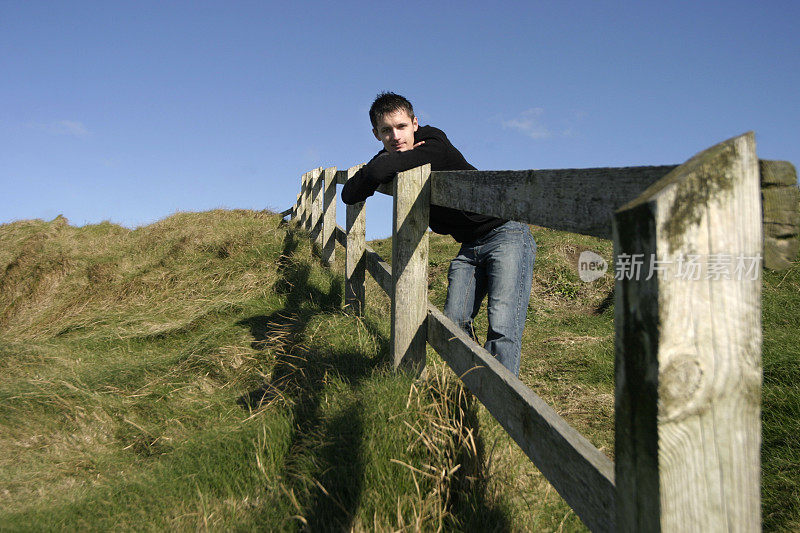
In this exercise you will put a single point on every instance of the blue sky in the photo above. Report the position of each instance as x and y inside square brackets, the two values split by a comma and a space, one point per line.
[131, 111]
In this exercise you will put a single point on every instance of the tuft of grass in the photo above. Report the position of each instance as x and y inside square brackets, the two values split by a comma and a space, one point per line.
[780, 408]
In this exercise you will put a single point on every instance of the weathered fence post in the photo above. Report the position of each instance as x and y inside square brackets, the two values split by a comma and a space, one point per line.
[780, 197]
[688, 347]
[295, 209]
[298, 211]
[411, 193]
[329, 216]
[306, 200]
[316, 206]
[355, 259]
[303, 200]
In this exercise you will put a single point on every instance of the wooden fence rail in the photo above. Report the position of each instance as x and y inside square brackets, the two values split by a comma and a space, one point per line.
[688, 351]
[581, 473]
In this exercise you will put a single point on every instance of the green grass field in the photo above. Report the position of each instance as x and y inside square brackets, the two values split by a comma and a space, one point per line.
[199, 373]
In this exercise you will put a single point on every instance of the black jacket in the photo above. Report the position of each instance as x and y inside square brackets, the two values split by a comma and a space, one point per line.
[442, 155]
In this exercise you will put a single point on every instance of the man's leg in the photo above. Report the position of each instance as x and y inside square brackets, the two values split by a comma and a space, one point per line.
[466, 287]
[508, 258]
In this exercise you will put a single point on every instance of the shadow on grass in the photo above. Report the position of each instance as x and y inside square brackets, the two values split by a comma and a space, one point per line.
[469, 507]
[605, 305]
[324, 467]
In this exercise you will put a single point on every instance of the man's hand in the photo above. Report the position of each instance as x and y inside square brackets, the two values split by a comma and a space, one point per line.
[418, 144]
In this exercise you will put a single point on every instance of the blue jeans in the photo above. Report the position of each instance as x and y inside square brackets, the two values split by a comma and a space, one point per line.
[499, 264]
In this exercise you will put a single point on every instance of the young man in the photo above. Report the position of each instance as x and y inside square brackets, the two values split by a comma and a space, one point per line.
[496, 256]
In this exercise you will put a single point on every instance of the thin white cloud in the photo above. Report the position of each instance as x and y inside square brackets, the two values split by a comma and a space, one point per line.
[530, 123]
[63, 127]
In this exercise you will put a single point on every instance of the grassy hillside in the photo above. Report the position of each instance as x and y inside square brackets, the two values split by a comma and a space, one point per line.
[199, 373]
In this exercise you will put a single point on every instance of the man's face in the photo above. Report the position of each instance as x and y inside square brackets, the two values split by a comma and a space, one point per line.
[396, 131]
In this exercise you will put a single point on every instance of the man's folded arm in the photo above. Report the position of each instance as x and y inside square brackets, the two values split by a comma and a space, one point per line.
[358, 188]
[384, 167]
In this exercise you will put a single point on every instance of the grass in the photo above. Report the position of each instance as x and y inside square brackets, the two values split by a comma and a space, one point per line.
[199, 373]
[780, 409]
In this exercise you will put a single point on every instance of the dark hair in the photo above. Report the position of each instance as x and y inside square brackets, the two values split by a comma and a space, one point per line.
[386, 103]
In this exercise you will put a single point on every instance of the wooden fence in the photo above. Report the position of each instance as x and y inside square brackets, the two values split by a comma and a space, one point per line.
[688, 351]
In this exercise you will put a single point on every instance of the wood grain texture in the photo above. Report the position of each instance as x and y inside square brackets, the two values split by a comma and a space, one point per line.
[688, 352]
[583, 200]
[341, 236]
[778, 250]
[315, 226]
[781, 216]
[781, 197]
[355, 260]
[379, 269]
[329, 215]
[781, 173]
[296, 207]
[581, 473]
[575, 200]
[410, 267]
[307, 201]
[302, 211]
